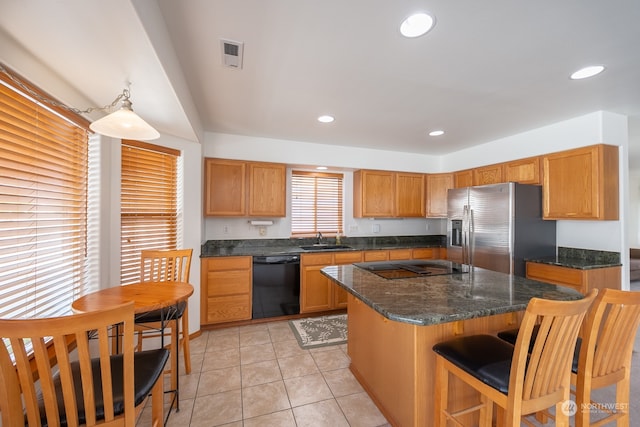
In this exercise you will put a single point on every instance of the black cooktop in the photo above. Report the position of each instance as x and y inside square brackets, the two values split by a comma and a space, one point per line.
[412, 268]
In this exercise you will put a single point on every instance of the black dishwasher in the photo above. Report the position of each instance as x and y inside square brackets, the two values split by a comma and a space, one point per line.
[276, 286]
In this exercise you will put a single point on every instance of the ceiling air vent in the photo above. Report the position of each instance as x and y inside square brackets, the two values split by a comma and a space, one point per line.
[232, 53]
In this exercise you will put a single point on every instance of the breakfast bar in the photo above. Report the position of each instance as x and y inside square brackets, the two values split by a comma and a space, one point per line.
[394, 323]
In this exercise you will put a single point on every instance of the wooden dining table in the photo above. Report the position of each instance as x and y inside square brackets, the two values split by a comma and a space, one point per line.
[146, 297]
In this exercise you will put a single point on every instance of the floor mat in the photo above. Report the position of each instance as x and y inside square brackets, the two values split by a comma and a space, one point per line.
[320, 331]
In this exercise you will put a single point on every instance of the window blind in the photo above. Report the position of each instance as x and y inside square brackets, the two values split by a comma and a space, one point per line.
[316, 203]
[43, 205]
[149, 203]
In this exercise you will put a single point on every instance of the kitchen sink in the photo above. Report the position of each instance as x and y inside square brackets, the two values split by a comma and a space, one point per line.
[322, 247]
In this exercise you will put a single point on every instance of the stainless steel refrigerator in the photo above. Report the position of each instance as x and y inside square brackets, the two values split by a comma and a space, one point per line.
[498, 226]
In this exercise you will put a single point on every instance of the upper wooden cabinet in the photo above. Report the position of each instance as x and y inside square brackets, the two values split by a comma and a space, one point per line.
[581, 183]
[437, 187]
[267, 189]
[410, 195]
[524, 171]
[373, 193]
[225, 187]
[463, 178]
[238, 188]
[388, 194]
[492, 174]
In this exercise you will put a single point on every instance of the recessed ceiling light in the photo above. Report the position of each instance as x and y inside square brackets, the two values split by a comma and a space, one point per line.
[436, 133]
[325, 119]
[322, 168]
[586, 72]
[417, 25]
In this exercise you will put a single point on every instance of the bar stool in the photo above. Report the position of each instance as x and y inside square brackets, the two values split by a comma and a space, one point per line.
[603, 356]
[520, 382]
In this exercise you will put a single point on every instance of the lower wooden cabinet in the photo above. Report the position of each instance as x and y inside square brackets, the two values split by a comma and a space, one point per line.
[225, 289]
[226, 281]
[581, 280]
[317, 292]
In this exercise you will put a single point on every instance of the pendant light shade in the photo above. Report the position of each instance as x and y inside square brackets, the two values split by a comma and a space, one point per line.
[124, 124]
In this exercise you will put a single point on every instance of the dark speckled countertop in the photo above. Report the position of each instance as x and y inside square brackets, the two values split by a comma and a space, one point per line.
[440, 299]
[582, 259]
[258, 247]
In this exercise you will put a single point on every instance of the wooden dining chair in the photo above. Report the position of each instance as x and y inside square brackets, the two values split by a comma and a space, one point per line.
[166, 266]
[519, 382]
[50, 374]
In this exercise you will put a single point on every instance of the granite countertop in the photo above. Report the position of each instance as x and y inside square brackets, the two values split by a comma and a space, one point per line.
[261, 247]
[440, 299]
[581, 259]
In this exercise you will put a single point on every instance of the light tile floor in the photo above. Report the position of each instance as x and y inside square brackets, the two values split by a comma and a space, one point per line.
[258, 375]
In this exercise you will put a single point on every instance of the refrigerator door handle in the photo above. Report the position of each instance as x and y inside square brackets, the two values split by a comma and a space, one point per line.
[465, 234]
[472, 231]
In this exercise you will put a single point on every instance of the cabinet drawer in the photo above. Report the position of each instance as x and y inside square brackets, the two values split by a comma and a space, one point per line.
[228, 308]
[376, 255]
[400, 254]
[228, 282]
[347, 257]
[555, 274]
[426, 253]
[229, 263]
[316, 259]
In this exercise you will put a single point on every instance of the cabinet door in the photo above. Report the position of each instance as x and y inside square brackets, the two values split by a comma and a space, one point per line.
[315, 293]
[581, 183]
[525, 171]
[373, 193]
[487, 175]
[437, 187]
[463, 179]
[410, 195]
[268, 189]
[340, 258]
[225, 188]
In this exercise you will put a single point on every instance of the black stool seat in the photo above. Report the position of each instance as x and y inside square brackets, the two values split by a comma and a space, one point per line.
[148, 365]
[511, 336]
[171, 313]
[485, 357]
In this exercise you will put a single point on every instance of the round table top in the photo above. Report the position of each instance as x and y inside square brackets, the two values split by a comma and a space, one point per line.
[146, 296]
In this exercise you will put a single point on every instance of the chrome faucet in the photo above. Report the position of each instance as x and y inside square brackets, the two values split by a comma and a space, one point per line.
[319, 238]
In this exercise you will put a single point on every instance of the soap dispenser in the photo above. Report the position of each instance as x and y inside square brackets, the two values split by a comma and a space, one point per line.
[338, 238]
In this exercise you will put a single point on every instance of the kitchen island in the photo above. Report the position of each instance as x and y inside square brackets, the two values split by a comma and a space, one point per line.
[394, 323]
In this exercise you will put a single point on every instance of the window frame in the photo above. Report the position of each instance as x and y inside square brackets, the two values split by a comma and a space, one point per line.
[329, 223]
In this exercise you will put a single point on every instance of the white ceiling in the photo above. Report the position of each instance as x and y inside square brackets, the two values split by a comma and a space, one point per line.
[488, 69]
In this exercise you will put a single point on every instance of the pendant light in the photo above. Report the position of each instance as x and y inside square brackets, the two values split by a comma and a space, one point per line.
[124, 123]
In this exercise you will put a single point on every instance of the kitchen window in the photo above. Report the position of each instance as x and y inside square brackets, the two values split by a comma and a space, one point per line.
[47, 203]
[316, 203]
[150, 203]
